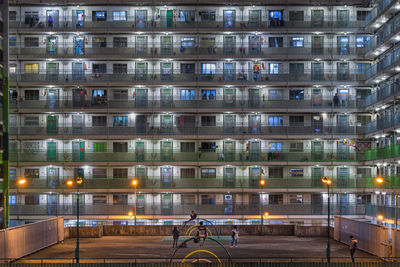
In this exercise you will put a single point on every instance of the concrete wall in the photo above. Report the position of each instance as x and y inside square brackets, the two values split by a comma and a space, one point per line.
[85, 231]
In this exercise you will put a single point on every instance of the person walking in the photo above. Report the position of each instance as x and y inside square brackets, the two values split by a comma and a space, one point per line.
[175, 236]
[201, 234]
[193, 216]
[235, 236]
[353, 247]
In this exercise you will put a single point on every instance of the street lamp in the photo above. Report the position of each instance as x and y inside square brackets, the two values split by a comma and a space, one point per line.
[328, 183]
[22, 181]
[381, 180]
[78, 181]
[380, 218]
[262, 184]
[135, 183]
[266, 214]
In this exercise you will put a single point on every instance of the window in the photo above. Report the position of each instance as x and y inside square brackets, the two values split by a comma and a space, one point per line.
[120, 42]
[208, 199]
[99, 199]
[12, 199]
[361, 41]
[276, 172]
[295, 199]
[32, 200]
[207, 15]
[296, 15]
[119, 15]
[31, 41]
[120, 68]
[99, 68]
[296, 147]
[32, 173]
[296, 172]
[362, 68]
[296, 68]
[99, 121]
[13, 171]
[273, 68]
[296, 120]
[32, 68]
[120, 199]
[275, 94]
[32, 121]
[275, 42]
[120, 147]
[188, 68]
[13, 67]
[186, 16]
[188, 173]
[99, 173]
[208, 121]
[208, 146]
[12, 15]
[31, 147]
[187, 41]
[275, 121]
[208, 68]
[275, 14]
[99, 147]
[12, 41]
[31, 18]
[363, 199]
[120, 94]
[99, 42]
[99, 15]
[296, 94]
[187, 146]
[31, 94]
[296, 41]
[208, 94]
[188, 94]
[120, 173]
[275, 146]
[276, 199]
[188, 199]
[362, 14]
[120, 121]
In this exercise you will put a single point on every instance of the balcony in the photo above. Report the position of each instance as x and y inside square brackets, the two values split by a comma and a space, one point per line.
[384, 34]
[386, 92]
[390, 152]
[217, 156]
[68, 104]
[175, 51]
[66, 23]
[385, 66]
[384, 7]
[232, 183]
[386, 123]
[188, 131]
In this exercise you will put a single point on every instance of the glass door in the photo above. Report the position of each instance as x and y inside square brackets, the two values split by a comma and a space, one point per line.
[316, 175]
[141, 72]
[254, 98]
[254, 45]
[229, 45]
[229, 18]
[317, 45]
[166, 45]
[52, 177]
[317, 150]
[52, 98]
[342, 150]
[166, 71]
[141, 45]
[166, 97]
[51, 151]
[166, 124]
[78, 98]
[343, 177]
[52, 18]
[254, 18]
[229, 123]
[141, 174]
[229, 150]
[166, 151]
[229, 72]
[343, 45]
[78, 72]
[342, 18]
[141, 124]
[52, 204]
[343, 94]
[166, 177]
[317, 18]
[229, 177]
[51, 45]
[254, 176]
[343, 124]
[317, 98]
[317, 124]
[317, 71]
[79, 45]
[254, 150]
[78, 125]
[229, 97]
[52, 72]
[255, 124]
[141, 98]
[166, 204]
[342, 71]
[78, 18]
[52, 127]
[139, 151]
[78, 151]
[141, 19]
[166, 18]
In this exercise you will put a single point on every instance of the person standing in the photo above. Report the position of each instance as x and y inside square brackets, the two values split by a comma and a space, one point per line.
[235, 236]
[175, 236]
[353, 247]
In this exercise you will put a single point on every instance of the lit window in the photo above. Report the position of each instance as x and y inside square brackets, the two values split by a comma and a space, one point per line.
[361, 41]
[208, 68]
[188, 94]
[273, 68]
[275, 121]
[119, 15]
[275, 146]
[297, 41]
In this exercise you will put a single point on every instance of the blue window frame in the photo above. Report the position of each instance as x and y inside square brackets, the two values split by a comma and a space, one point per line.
[275, 146]
[121, 121]
[188, 94]
[208, 68]
[275, 121]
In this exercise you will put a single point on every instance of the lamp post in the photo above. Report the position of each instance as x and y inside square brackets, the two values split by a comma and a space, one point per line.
[380, 218]
[262, 184]
[135, 183]
[381, 180]
[78, 181]
[328, 183]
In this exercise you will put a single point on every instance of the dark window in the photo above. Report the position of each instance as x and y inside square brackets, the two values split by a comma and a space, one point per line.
[208, 199]
[187, 68]
[120, 199]
[12, 15]
[296, 147]
[120, 42]
[208, 121]
[31, 173]
[120, 173]
[120, 68]
[99, 121]
[188, 172]
[208, 173]
[120, 147]
[296, 94]
[363, 199]
[275, 42]
[361, 15]
[99, 173]
[188, 199]
[296, 120]
[207, 15]
[208, 146]
[99, 199]
[276, 199]
[32, 200]
[99, 42]
[12, 41]
[32, 121]
[31, 41]
[99, 68]
[99, 15]
[31, 94]
[276, 172]
[187, 146]
[120, 94]
[296, 15]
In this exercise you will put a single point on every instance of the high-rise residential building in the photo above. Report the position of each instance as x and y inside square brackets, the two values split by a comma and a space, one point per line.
[199, 102]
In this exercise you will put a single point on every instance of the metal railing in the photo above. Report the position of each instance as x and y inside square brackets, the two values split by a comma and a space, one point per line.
[383, 153]
[384, 122]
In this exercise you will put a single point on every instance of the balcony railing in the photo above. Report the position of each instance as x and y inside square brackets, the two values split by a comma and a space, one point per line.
[239, 182]
[66, 23]
[385, 122]
[157, 50]
[383, 153]
[385, 64]
[378, 10]
[316, 131]
[149, 105]
[177, 156]
[389, 29]
[386, 90]
[235, 77]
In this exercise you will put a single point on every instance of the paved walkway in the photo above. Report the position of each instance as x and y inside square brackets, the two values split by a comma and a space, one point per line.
[251, 248]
